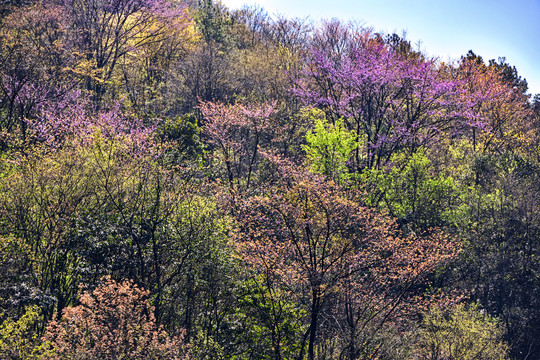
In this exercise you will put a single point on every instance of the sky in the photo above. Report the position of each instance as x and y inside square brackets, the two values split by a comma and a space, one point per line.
[445, 29]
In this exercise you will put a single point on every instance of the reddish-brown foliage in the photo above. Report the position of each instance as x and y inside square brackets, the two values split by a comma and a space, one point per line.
[321, 243]
[237, 132]
[503, 109]
[115, 321]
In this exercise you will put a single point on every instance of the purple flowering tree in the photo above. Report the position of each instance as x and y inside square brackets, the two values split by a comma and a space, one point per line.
[34, 63]
[75, 121]
[391, 100]
[49, 49]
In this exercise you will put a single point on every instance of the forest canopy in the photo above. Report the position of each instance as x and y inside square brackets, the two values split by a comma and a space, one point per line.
[179, 180]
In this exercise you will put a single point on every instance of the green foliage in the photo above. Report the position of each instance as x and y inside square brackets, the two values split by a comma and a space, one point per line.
[205, 347]
[38, 200]
[273, 326]
[413, 191]
[17, 290]
[183, 133]
[509, 74]
[501, 263]
[18, 338]
[200, 274]
[463, 334]
[83, 213]
[212, 20]
[329, 146]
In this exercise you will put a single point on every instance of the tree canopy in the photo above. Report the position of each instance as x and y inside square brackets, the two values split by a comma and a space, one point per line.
[183, 181]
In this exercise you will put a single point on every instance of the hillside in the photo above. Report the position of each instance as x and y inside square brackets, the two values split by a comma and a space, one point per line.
[179, 180]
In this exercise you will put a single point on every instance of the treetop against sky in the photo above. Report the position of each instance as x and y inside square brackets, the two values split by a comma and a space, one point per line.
[445, 29]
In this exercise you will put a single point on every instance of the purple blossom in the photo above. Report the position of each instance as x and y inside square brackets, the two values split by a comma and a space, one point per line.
[394, 100]
[74, 121]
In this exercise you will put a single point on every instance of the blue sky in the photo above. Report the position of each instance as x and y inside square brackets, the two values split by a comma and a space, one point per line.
[446, 29]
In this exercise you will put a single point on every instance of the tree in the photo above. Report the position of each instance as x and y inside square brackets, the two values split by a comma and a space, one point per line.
[310, 238]
[500, 266]
[329, 147]
[106, 31]
[202, 74]
[465, 333]
[415, 191]
[237, 132]
[509, 74]
[115, 321]
[394, 101]
[34, 63]
[273, 322]
[502, 109]
[19, 338]
[182, 134]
